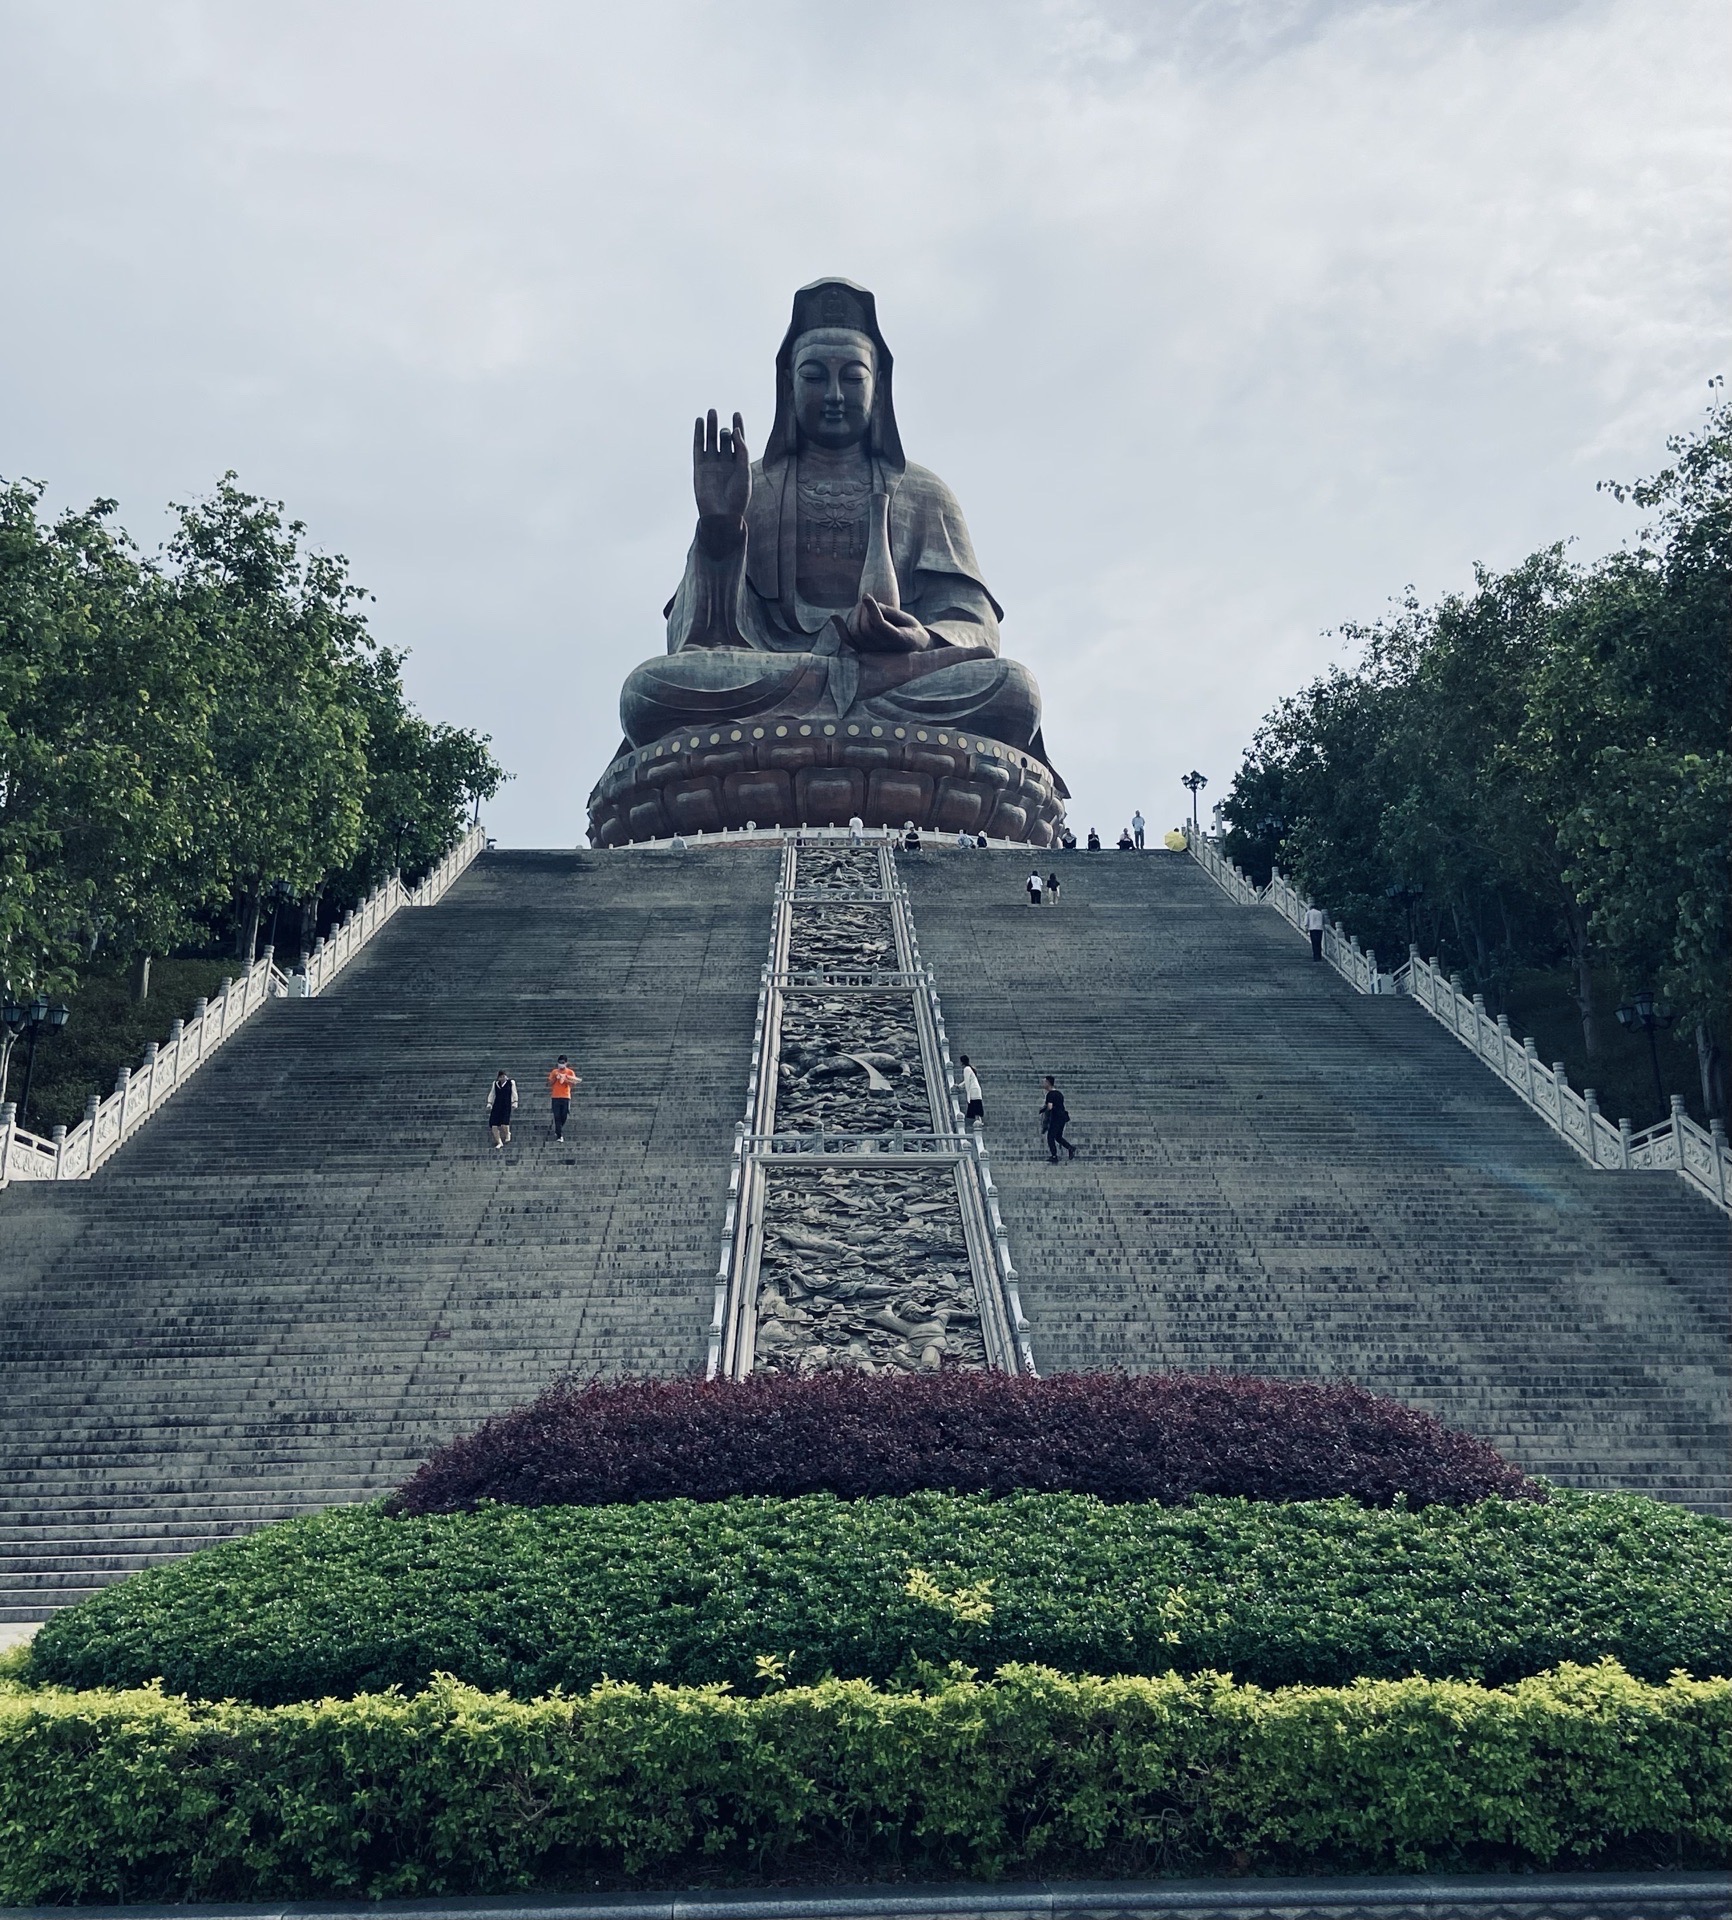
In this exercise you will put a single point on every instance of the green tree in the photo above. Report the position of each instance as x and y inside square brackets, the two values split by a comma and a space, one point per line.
[422, 779]
[1632, 714]
[105, 763]
[283, 637]
[1537, 771]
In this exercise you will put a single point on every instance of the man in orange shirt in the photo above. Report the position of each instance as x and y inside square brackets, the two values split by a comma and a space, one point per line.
[559, 1085]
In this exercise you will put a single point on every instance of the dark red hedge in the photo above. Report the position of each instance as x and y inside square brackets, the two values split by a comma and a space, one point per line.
[1125, 1437]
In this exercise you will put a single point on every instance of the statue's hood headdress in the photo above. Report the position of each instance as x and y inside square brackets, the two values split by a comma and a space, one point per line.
[835, 303]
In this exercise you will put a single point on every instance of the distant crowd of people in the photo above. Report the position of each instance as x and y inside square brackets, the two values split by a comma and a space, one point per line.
[1131, 839]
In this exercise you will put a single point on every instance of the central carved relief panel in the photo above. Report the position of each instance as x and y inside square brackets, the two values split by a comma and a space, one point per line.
[862, 1265]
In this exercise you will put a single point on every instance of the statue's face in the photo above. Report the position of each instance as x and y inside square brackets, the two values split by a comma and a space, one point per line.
[835, 378]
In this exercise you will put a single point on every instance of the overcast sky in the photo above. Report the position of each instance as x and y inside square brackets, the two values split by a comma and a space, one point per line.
[1224, 321]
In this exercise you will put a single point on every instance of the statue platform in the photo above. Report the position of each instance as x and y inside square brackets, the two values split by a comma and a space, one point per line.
[791, 770]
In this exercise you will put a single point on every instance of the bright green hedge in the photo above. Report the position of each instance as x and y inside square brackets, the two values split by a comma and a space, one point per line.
[135, 1796]
[686, 1593]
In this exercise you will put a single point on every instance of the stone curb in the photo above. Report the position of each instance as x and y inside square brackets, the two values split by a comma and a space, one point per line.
[1539, 1896]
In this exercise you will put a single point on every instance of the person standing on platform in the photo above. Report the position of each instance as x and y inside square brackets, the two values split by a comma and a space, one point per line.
[1315, 921]
[501, 1105]
[1054, 1118]
[1137, 825]
[1052, 889]
[1035, 886]
[971, 1094]
[559, 1085]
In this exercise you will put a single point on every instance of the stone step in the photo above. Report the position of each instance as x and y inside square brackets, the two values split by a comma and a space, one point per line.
[1279, 1175]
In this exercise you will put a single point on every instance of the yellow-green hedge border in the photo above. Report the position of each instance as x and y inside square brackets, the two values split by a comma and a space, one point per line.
[140, 1796]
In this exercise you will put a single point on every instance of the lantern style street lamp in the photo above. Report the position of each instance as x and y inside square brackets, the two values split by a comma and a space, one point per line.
[1195, 781]
[1641, 1014]
[31, 1020]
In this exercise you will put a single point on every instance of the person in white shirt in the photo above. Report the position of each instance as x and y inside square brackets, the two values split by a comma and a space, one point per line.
[971, 1093]
[1137, 824]
[1036, 886]
[1315, 921]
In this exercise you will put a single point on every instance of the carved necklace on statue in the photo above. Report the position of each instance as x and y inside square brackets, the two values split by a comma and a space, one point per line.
[833, 516]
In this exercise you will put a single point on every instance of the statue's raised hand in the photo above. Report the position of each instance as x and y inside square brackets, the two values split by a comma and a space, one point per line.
[721, 470]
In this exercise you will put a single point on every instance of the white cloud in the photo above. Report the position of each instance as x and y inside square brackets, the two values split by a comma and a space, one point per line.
[1225, 321]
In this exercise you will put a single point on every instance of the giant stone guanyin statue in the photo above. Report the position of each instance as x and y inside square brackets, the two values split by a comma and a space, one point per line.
[832, 649]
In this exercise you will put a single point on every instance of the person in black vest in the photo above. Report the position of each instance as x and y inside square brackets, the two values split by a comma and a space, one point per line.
[501, 1104]
[1054, 1118]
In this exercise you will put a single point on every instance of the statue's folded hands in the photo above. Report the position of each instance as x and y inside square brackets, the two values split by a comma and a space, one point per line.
[876, 629]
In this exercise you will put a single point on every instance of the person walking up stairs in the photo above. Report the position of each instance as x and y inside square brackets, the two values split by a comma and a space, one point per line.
[1054, 1118]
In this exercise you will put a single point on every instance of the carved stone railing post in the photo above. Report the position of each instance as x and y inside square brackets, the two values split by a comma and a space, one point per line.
[108, 1123]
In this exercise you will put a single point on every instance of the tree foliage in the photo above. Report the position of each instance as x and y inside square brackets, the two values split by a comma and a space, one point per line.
[1535, 773]
[183, 735]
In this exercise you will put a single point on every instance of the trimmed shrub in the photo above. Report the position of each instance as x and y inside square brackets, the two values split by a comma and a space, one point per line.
[134, 1796]
[1120, 1436]
[690, 1593]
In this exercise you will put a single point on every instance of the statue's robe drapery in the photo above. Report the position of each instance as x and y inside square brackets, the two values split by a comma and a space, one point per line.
[742, 642]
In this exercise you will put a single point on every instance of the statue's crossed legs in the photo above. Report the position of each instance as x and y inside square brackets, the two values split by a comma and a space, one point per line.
[946, 687]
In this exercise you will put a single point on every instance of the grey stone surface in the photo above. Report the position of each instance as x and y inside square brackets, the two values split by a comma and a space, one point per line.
[861, 1267]
[309, 1268]
[1280, 1176]
[842, 869]
[1396, 1896]
[850, 1062]
[865, 1270]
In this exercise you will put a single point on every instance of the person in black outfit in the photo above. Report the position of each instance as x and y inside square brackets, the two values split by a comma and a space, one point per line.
[501, 1104]
[1054, 1118]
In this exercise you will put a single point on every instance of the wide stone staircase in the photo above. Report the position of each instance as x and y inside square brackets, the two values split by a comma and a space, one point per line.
[1278, 1175]
[310, 1268]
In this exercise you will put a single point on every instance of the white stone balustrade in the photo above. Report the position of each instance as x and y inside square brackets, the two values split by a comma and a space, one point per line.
[108, 1124]
[1678, 1145]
